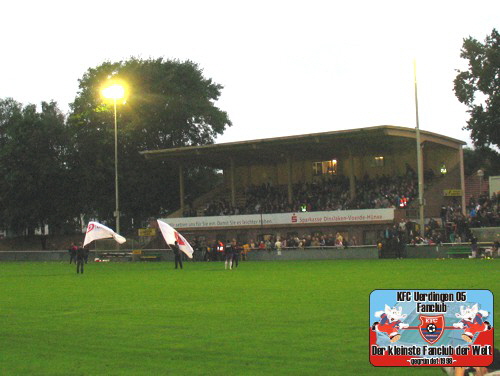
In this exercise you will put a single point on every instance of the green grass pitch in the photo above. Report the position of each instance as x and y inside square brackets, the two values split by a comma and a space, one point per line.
[265, 318]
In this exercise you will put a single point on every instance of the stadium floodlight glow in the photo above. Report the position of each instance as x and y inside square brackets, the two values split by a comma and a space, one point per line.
[115, 91]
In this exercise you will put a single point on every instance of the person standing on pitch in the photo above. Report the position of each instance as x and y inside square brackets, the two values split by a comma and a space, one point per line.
[228, 252]
[72, 253]
[80, 259]
[237, 248]
[177, 254]
[87, 252]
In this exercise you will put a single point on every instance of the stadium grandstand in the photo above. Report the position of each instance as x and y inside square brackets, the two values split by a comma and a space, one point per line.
[354, 183]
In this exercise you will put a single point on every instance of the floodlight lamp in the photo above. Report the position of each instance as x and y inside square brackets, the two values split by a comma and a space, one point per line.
[114, 91]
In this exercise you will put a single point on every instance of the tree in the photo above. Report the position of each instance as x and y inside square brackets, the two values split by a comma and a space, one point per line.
[479, 89]
[170, 104]
[33, 173]
[485, 158]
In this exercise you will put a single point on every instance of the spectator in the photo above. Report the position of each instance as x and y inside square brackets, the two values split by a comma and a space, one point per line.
[72, 252]
[339, 240]
[354, 241]
[474, 248]
[278, 246]
[246, 248]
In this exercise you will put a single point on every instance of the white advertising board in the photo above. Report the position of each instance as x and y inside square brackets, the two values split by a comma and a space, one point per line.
[279, 219]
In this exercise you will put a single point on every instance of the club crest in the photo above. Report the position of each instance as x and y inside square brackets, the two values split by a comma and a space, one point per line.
[431, 328]
[179, 238]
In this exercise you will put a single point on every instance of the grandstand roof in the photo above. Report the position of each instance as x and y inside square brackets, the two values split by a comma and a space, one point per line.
[318, 146]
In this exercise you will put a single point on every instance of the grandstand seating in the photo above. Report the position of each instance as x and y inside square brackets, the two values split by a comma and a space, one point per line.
[326, 194]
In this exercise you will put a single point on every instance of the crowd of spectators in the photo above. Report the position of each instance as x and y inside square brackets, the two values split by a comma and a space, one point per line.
[326, 194]
[453, 227]
[483, 211]
[338, 240]
[333, 193]
[211, 250]
[220, 206]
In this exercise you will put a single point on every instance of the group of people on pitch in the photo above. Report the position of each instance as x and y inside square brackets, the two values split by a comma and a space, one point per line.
[231, 251]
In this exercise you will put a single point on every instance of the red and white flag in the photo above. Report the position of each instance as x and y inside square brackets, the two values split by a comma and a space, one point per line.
[171, 236]
[96, 231]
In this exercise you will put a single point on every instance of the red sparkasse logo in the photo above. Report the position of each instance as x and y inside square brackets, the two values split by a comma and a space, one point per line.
[294, 218]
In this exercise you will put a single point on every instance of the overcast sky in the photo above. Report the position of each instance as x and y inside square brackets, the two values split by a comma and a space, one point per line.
[287, 67]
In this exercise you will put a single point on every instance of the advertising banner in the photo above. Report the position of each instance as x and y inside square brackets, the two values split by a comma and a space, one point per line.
[298, 218]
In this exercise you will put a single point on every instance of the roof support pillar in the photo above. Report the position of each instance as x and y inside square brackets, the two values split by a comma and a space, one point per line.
[289, 177]
[233, 178]
[181, 187]
[352, 180]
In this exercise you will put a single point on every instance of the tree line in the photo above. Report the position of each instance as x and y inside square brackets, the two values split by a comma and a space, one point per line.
[58, 170]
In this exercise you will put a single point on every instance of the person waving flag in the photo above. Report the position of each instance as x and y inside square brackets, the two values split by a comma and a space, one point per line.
[171, 236]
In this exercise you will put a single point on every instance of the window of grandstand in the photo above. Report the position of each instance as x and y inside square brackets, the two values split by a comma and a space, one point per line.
[378, 162]
[325, 167]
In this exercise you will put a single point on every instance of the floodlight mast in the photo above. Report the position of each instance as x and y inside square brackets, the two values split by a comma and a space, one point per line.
[115, 92]
[420, 167]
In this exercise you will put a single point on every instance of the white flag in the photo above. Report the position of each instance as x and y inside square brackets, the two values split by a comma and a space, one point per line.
[97, 231]
[171, 236]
